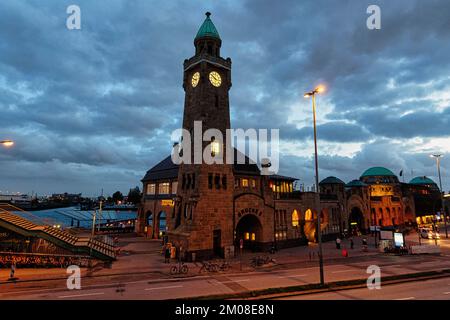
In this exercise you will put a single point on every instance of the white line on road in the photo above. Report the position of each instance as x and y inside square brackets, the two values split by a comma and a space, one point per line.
[408, 298]
[343, 271]
[447, 292]
[161, 288]
[237, 280]
[82, 295]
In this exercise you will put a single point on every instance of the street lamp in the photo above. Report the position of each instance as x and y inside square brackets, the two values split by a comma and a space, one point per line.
[312, 94]
[438, 164]
[7, 143]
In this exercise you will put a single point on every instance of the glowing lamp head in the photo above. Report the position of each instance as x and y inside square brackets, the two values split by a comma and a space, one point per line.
[7, 143]
[321, 88]
[307, 95]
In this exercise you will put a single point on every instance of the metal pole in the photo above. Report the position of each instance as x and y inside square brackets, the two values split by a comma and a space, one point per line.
[100, 215]
[319, 233]
[93, 223]
[438, 162]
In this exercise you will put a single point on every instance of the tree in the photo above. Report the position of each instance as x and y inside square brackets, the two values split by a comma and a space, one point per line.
[117, 196]
[134, 196]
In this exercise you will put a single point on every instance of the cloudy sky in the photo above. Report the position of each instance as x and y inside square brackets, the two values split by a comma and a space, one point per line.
[94, 108]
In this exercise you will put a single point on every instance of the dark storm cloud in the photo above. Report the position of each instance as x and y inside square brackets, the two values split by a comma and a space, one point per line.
[96, 107]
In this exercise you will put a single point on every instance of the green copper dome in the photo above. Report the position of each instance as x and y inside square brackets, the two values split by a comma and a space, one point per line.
[377, 171]
[332, 180]
[207, 29]
[421, 181]
[356, 183]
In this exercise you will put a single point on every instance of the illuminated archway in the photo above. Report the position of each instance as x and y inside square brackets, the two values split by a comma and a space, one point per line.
[249, 229]
[295, 218]
[308, 215]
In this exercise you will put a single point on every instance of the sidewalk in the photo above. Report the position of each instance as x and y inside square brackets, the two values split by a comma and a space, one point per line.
[140, 255]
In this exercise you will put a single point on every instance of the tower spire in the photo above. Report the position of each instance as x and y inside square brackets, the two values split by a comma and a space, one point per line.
[207, 29]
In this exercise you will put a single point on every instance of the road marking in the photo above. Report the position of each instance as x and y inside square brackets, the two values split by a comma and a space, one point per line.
[82, 295]
[238, 280]
[447, 292]
[343, 271]
[162, 288]
[408, 298]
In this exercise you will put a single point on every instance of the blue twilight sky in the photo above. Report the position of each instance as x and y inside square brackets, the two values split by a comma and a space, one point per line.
[94, 108]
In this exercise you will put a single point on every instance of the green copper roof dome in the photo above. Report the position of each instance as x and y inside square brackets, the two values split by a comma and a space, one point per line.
[377, 171]
[356, 183]
[332, 180]
[422, 180]
[207, 29]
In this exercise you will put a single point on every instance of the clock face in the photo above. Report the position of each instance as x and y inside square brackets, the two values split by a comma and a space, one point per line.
[215, 79]
[195, 79]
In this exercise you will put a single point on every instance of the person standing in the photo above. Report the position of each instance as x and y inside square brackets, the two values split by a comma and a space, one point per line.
[167, 254]
[351, 243]
[13, 270]
[338, 243]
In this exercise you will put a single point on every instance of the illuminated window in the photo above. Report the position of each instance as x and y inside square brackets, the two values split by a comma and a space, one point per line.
[308, 215]
[247, 236]
[253, 183]
[272, 186]
[163, 188]
[151, 188]
[215, 148]
[253, 237]
[245, 183]
[295, 218]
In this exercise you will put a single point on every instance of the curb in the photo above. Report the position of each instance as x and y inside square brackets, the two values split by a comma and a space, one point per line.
[313, 288]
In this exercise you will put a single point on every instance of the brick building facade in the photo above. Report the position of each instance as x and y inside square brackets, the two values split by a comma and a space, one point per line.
[207, 209]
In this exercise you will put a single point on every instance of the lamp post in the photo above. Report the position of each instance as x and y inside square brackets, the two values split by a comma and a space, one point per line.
[438, 164]
[7, 143]
[312, 94]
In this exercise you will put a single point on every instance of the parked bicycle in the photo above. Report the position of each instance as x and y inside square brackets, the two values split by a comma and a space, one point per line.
[224, 266]
[259, 261]
[209, 267]
[214, 266]
[180, 268]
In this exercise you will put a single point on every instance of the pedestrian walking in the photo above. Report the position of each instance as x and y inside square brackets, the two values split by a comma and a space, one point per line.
[338, 243]
[352, 244]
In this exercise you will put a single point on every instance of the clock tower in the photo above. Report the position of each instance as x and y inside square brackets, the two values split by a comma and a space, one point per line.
[203, 211]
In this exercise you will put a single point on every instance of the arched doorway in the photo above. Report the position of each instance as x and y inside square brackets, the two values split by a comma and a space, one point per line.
[356, 221]
[310, 225]
[249, 229]
[148, 224]
[160, 224]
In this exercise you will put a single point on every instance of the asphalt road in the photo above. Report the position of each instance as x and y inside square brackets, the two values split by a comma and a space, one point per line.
[438, 289]
[148, 287]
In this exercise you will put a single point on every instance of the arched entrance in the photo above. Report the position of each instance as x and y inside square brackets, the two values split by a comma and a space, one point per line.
[356, 221]
[160, 225]
[148, 229]
[249, 229]
[310, 225]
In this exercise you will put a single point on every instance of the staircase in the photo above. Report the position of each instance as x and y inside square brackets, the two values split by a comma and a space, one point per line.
[60, 238]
